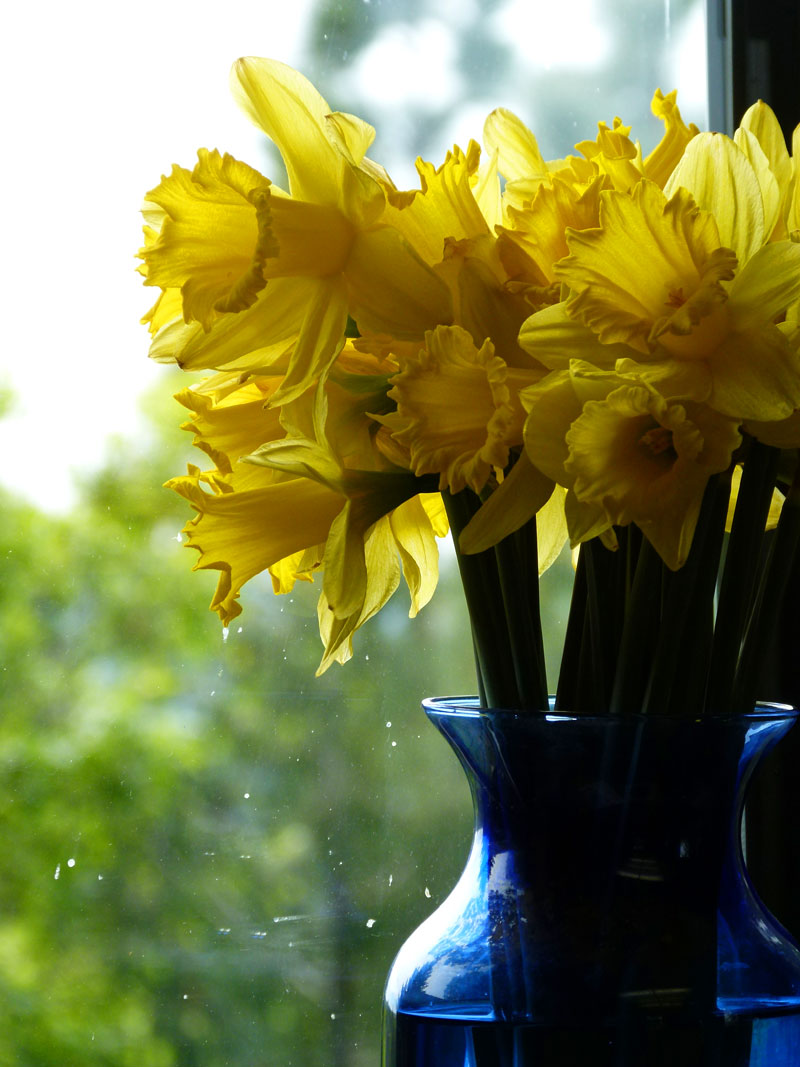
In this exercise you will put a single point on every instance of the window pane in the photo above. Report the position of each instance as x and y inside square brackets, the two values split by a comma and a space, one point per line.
[210, 856]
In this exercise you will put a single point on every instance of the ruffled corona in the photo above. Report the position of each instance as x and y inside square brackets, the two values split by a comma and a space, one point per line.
[654, 276]
[215, 236]
[457, 409]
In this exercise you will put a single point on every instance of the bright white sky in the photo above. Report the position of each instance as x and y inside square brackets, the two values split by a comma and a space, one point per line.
[99, 101]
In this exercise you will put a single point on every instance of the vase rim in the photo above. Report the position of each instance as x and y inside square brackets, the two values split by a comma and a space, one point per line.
[470, 707]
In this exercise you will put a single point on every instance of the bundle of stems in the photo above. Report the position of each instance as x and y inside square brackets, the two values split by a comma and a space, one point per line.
[642, 639]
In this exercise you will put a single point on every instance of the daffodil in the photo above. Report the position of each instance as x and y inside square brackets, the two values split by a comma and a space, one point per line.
[656, 277]
[293, 506]
[290, 268]
[451, 221]
[458, 411]
[659, 164]
[546, 201]
[627, 454]
[615, 155]
[539, 231]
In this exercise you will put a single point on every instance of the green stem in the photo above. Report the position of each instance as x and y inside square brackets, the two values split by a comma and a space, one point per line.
[567, 691]
[606, 581]
[762, 634]
[517, 555]
[481, 583]
[685, 632]
[639, 633]
[740, 571]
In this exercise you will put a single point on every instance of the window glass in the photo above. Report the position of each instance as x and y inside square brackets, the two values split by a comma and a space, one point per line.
[210, 856]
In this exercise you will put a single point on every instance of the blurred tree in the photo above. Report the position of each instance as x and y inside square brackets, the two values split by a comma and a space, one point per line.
[209, 856]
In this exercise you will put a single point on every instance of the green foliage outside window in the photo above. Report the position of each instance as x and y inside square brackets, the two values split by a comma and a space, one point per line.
[209, 856]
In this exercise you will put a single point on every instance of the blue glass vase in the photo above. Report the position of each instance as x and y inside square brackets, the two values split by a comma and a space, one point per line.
[605, 917]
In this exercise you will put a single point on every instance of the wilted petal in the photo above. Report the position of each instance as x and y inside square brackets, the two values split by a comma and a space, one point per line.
[381, 578]
[416, 544]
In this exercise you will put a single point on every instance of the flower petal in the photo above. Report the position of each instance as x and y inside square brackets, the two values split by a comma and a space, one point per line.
[292, 114]
[661, 162]
[767, 284]
[521, 494]
[760, 120]
[444, 209]
[654, 265]
[249, 341]
[382, 576]
[392, 290]
[320, 340]
[455, 410]
[614, 154]
[554, 338]
[540, 230]
[785, 433]
[228, 428]
[770, 191]
[722, 180]
[419, 554]
[242, 534]
[518, 154]
[552, 406]
[756, 375]
[551, 529]
[647, 460]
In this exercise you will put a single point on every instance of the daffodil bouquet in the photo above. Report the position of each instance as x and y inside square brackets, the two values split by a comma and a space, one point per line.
[603, 348]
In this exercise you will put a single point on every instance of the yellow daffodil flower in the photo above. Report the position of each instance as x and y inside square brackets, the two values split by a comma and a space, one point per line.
[626, 454]
[291, 506]
[654, 277]
[458, 411]
[325, 242]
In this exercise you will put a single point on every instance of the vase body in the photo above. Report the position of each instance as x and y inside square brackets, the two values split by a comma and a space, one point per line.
[604, 916]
